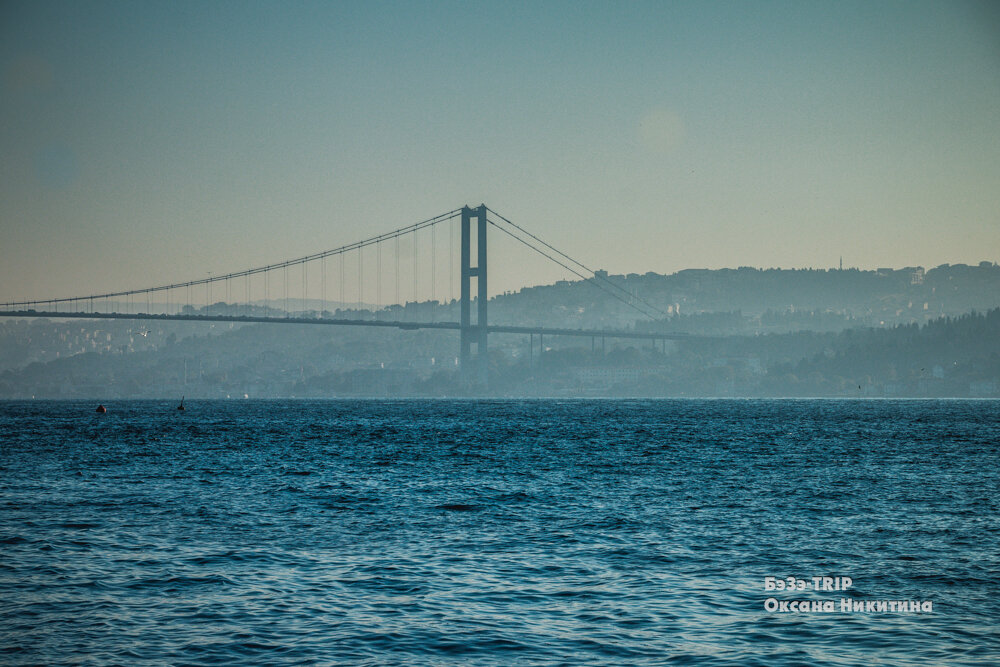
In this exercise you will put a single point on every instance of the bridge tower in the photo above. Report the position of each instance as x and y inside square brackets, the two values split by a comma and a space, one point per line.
[474, 333]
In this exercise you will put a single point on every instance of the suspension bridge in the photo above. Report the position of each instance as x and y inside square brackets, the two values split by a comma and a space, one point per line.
[251, 295]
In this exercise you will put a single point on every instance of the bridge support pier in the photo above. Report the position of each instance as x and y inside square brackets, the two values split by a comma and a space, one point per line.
[477, 372]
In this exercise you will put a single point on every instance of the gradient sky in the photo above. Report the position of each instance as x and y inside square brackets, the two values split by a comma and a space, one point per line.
[148, 142]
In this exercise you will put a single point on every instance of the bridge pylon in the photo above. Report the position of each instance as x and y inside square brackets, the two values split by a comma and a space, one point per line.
[476, 372]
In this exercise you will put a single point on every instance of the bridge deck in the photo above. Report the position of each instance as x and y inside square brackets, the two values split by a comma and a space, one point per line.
[493, 328]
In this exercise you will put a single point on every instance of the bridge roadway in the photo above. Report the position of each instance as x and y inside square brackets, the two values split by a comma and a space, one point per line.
[492, 328]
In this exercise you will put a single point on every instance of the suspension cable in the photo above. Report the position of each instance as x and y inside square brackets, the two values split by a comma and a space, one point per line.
[578, 263]
[572, 270]
[409, 229]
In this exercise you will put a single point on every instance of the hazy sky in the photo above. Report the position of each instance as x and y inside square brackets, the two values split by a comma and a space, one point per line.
[149, 142]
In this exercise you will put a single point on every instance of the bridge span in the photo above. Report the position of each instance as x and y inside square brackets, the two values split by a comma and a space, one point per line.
[473, 328]
[392, 324]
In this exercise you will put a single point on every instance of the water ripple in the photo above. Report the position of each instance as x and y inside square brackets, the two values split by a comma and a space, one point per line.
[496, 532]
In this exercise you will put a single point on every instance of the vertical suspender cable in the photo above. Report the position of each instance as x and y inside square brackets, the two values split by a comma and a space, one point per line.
[433, 270]
[451, 267]
[416, 278]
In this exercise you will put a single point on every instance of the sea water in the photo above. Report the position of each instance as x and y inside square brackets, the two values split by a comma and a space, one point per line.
[500, 532]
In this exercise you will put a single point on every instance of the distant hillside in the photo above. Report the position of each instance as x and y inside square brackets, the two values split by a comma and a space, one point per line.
[948, 357]
[748, 300]
[945, 357]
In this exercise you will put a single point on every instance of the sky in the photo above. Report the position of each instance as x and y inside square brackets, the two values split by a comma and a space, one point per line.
[144, 143]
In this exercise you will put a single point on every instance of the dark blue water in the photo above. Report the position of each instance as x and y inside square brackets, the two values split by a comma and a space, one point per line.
[497, 532]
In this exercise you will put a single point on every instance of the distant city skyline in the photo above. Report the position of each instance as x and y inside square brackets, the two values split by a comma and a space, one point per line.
[148, 143]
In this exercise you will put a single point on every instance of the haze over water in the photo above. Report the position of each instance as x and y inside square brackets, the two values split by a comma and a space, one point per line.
[496, 532]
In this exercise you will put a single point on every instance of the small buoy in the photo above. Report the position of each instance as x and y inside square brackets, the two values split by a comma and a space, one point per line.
[101, 409]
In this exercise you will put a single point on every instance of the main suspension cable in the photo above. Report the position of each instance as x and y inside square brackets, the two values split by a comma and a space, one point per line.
[260, 269]
[586, 278]
[578, 263]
